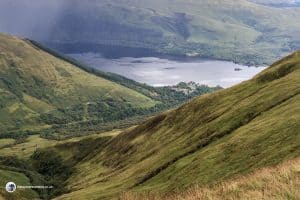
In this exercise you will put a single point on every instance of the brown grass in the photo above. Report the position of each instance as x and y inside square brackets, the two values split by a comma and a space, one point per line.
[273, 183]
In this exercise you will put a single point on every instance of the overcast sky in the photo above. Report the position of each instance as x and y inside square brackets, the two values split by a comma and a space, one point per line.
[30, 17]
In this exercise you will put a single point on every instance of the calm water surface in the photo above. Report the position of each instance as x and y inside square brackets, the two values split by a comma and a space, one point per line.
[163, 72]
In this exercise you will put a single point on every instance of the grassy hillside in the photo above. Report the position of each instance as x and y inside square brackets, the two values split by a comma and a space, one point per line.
[240, 31]
[25, 149]
[19, 179]
[212, 141]
[41, 89]
[37, 88]
[213, 138]
[280, 182]
[43, 162]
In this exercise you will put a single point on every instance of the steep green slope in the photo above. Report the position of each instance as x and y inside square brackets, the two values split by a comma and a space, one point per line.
[42, 89]
[214, 137]
[240, 31]
[19, 178]
[39, 161]
[39, 89]
[276, 182]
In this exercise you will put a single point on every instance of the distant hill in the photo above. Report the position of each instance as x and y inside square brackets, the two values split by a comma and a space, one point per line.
[291, 2]
[212, 138]
[41, 89]
[242, 31]
[37, 88]
[233, 30]
[279, 3]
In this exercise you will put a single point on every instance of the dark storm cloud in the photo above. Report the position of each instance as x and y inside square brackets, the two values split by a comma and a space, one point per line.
[30, 18]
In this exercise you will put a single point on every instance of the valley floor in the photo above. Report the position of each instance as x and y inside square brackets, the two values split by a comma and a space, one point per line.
[280, 182]
[10, 147]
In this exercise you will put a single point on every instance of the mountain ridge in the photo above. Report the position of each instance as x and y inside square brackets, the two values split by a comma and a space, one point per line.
[241, 31]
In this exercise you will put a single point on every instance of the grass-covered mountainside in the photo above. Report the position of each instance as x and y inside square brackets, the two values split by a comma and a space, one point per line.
[279, 182]
[214, 137]
[43, 90]
[242, 31]
[38, 89]
[34, 163]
